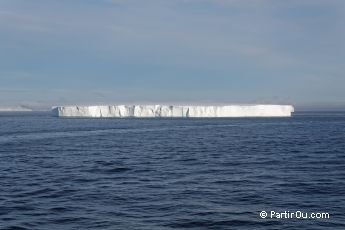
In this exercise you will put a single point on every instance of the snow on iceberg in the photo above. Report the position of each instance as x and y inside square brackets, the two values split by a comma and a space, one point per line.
[174, 111]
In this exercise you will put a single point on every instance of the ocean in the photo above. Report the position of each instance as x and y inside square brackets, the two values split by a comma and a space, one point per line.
[68, 173]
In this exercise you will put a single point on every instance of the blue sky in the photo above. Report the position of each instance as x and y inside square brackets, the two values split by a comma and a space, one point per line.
[56, 52]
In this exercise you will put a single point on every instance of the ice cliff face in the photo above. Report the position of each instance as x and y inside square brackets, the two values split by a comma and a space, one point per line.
[174, 111]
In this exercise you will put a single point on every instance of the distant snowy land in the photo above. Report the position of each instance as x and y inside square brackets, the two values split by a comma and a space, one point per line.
[14, 109]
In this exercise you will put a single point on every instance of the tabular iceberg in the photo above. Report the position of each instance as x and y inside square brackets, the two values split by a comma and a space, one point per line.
[174, 111]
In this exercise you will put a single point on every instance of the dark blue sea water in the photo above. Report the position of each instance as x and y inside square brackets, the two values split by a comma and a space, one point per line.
[171, 173]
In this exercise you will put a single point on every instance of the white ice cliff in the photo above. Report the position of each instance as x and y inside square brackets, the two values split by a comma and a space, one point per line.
[174, 111]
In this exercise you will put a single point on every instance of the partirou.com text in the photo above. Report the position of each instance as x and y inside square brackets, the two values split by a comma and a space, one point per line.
[293, 215]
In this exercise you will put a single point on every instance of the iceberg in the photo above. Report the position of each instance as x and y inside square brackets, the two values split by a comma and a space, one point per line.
[147, 111]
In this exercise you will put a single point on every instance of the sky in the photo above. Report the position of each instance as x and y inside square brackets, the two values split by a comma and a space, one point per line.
[65, 52]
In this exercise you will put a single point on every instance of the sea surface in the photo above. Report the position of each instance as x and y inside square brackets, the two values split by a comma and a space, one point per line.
[59, 173]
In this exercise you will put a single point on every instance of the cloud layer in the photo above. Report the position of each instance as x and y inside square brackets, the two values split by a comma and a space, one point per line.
[179, 50]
